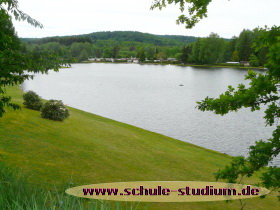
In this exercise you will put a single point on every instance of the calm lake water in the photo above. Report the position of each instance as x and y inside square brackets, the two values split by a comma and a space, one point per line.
[150, 97]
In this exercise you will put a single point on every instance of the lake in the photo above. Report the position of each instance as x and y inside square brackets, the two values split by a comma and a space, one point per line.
[159, 98]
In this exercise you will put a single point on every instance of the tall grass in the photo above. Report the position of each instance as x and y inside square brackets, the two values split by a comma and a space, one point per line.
[17, 193]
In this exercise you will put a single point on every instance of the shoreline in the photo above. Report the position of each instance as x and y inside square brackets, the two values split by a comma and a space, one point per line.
[183, 65]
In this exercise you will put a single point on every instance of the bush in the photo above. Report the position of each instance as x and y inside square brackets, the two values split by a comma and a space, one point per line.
[54, 110]
[32, 100]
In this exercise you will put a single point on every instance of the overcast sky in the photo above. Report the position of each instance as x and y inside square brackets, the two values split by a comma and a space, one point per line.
[72, 17]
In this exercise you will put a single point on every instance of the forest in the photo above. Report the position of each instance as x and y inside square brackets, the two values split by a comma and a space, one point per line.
[148, 47]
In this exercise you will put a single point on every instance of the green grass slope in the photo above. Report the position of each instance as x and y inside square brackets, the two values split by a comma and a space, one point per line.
[88, 149]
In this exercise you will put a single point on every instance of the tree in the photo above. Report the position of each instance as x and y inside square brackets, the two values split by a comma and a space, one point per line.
[263, 90]
[262, 52]
[15, 63]
[98, 52]
[150, 52]
[235, 56]
[76, 49]
[53, 46]
[244, 45]
[141, 55]
[115, 51]
[178, 56]
[208, 50]
[172, 51]
[162, 56]
[81, 51]
[186, 51]
[83, 56]
[254, 61]
[215, 47]
[195, 51]
[230, 53]
[107, 53]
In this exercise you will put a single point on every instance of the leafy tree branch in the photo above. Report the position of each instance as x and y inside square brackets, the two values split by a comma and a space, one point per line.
[13, 9]
[263, 90]
[197, 10]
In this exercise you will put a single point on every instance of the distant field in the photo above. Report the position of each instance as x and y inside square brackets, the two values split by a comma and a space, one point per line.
[88, 149]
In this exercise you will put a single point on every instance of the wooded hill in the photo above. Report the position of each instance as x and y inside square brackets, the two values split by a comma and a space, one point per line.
[118, 36]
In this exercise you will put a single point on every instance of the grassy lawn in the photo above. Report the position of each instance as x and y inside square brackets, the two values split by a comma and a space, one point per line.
[88, 149]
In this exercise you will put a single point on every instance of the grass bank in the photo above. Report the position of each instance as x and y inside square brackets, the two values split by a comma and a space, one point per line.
[88, 149]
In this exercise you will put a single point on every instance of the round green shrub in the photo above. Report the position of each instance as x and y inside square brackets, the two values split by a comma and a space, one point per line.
[54, 110]
[32, 100]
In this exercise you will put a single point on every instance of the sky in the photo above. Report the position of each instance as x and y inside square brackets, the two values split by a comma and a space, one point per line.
[69, 17]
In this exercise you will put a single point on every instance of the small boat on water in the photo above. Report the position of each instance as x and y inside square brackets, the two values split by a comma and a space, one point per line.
[181, 85]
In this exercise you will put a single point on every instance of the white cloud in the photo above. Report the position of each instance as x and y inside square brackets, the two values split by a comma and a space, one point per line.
[69, 17]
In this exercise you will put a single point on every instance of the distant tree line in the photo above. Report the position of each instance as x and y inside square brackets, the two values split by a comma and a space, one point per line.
[81, 51]
[214, 49]
[209, 50]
